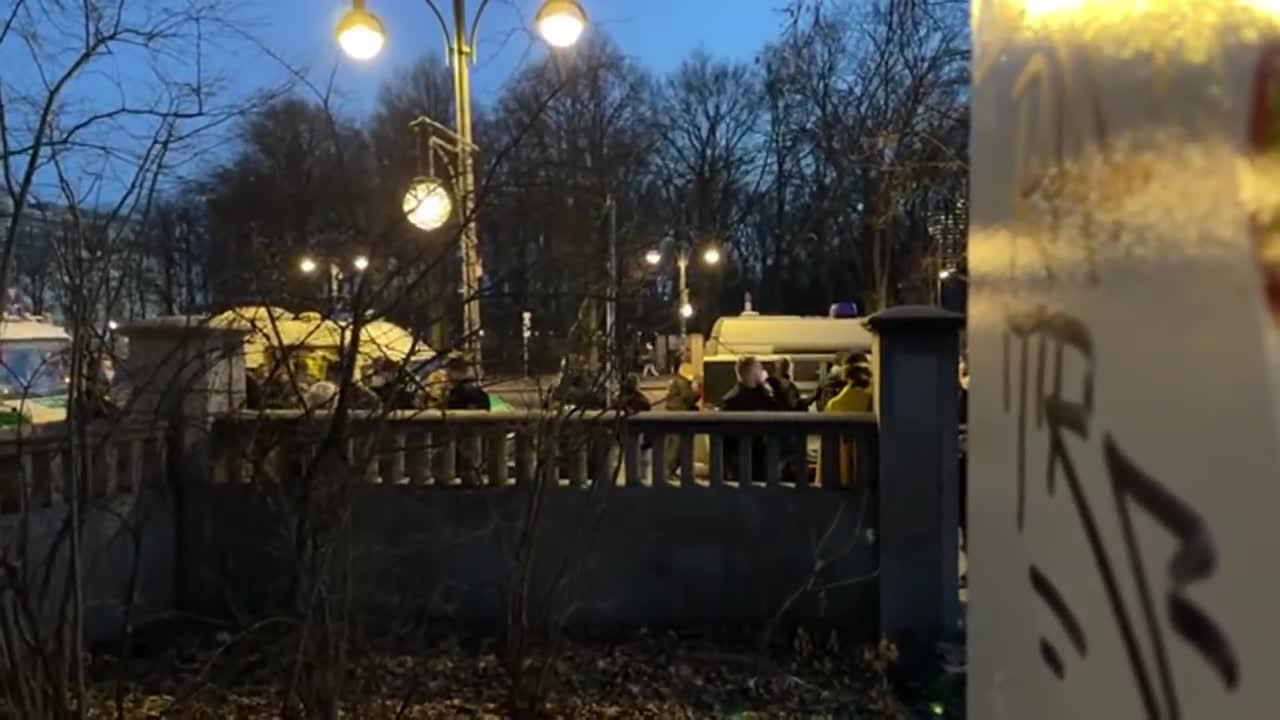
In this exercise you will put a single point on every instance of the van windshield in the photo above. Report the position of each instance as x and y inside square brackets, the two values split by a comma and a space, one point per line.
[33, 368]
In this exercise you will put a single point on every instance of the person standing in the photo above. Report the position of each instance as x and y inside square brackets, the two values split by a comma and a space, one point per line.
[682, 396]
[856, 396]
[630, 399]
[464, 393]
[751, 394]
[787, 397]
[785, 392]
[650, 369]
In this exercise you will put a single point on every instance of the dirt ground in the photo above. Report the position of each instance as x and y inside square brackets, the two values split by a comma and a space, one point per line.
[225, 676]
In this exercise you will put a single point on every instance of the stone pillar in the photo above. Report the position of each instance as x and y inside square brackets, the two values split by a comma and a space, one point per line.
[914, 360]
[180, 367]
[182, 371]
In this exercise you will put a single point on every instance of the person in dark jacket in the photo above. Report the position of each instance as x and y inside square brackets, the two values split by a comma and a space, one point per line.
[752, 391]
[752, 394]
[464, 393]
[395, 387]
[786, 394]
[787, 397]
[253, 392]
[630, 399]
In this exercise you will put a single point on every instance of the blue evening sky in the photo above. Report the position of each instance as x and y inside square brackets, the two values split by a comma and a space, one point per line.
[660, 33]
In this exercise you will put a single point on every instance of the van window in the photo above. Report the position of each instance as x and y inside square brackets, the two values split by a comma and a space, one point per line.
[33, 369]
[806, 370]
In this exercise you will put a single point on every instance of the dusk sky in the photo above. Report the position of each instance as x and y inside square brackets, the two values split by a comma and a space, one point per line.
[660, 33]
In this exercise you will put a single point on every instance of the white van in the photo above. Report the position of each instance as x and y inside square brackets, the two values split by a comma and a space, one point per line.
[751, 334]
[812, 344]
[33, 371]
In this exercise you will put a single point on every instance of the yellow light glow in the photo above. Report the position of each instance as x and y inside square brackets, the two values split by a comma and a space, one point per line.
[1175, 30]
[653, 257]
[711, 256]
[427, 204]
[360, 34]
[686, 310]
[561, 22]
[1035, 9]
[307, 265]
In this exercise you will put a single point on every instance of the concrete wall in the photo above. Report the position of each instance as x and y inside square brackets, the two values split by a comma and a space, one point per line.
[649, 556]
[129, 535]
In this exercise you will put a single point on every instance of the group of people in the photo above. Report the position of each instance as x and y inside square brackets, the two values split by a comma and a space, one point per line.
[846, 389]
[313, 382]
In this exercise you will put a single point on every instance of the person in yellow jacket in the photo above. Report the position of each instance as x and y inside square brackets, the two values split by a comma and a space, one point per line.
[855, 397]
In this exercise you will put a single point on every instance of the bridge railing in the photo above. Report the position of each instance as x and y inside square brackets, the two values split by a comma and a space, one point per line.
[479, 449]
[36, 468]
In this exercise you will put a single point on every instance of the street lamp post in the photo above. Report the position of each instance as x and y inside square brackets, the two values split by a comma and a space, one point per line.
[362, 36]
[611, 306]
[684, 307]
[309, 266]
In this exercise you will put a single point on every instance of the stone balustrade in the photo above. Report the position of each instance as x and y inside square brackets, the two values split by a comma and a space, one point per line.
[479, 449]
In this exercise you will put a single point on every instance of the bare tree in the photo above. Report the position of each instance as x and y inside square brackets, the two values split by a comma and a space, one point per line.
[547, 206]
[98, 101]
[709, 164]
[865, 103]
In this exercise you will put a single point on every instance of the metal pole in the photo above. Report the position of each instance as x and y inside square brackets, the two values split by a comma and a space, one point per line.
[611, 308]
[471, 268]
[682, 261]
[335, 281]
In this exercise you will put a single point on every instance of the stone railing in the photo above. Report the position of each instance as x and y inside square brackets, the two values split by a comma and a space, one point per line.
[124, 520]
[236, 474]
[36, 470]
[479, 449]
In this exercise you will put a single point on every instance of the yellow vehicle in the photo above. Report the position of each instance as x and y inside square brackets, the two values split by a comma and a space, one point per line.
[312, 343]
[276, 335]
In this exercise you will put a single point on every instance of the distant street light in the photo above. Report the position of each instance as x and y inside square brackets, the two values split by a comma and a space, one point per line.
[309, 265]
[947, 274]
[710, 256]
[427, 203]
[112, 325]
[362, 36]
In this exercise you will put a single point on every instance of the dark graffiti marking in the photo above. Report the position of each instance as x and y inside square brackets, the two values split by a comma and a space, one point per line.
[1051, 658]
[1070, 625]
[1061, 331]
[1193, 561]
